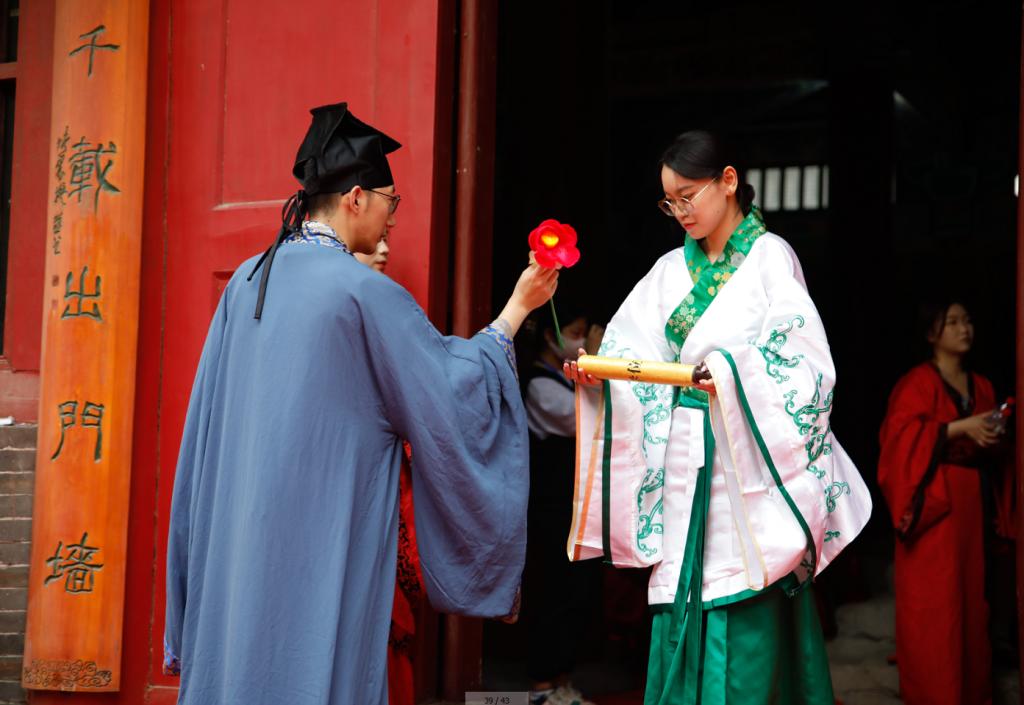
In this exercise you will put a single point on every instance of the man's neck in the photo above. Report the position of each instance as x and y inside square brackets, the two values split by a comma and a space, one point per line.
[340, 230]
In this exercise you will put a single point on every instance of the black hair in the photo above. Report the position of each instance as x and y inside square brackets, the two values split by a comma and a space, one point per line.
[699, 154]
[932, 316]
[323, 205]
[931, 322]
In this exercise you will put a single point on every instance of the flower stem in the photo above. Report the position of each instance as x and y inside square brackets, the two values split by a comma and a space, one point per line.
[558, 328]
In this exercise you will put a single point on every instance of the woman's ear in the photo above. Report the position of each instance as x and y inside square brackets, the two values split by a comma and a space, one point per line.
[731, 179]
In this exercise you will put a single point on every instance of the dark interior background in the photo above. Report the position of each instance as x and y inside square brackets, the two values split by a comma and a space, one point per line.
[911, 106]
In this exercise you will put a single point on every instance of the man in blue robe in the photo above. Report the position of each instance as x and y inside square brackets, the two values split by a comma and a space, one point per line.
[282, 545]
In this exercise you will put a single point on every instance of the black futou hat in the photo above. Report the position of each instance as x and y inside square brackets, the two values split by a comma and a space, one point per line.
[338, 152]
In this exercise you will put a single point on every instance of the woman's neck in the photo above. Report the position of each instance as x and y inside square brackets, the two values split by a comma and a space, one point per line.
[715, 242]
[950, 364]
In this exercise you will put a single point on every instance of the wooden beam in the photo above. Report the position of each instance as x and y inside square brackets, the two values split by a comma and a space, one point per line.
[90, 322]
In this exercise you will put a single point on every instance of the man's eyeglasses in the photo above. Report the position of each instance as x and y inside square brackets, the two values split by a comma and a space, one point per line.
[393, 200]
[682, 207]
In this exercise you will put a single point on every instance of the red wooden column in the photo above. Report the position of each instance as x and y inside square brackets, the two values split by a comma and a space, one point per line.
[90, 324]
[1020, 369]
[471, 295]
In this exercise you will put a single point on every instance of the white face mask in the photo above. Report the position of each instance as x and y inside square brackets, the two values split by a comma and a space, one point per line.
[572, 346]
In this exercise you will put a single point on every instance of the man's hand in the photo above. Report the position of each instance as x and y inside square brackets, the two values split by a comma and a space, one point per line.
[535, 286]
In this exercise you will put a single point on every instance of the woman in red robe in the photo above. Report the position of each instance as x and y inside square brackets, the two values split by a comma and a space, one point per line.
[933, 446]
[408, 596]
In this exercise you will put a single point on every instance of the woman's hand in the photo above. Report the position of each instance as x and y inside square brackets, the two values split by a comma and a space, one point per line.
[977, 428]
[573, 373]
[535, 286]
[702, 378]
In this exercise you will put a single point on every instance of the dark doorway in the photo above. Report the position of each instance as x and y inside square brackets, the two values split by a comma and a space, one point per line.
[885, 144]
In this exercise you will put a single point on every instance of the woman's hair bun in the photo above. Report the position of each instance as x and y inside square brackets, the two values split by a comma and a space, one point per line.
[745, 196]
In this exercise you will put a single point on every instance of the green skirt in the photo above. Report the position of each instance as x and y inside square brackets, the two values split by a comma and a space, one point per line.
[765, 650]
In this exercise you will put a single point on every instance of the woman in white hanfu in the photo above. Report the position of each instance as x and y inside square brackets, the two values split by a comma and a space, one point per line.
[736, 492]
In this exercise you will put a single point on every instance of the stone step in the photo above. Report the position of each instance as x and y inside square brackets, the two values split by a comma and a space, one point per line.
[19, 436]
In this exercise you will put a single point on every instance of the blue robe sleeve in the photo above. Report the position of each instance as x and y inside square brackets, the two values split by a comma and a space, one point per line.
[459, 405]
[190, 463]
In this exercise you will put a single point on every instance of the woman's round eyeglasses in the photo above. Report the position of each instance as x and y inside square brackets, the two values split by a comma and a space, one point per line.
[682, 207]
[393, 200]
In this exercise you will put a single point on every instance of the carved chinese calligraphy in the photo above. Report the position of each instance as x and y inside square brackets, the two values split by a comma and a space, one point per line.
[71, 563]
[87, 391]
[89, 167]
[92, 415]
[91, 46]
[76, 296]
[61, 191]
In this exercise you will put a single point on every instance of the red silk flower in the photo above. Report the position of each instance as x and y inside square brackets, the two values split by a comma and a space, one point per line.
[554, 243]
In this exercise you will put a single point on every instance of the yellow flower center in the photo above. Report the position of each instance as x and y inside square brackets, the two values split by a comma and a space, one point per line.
[549, 239]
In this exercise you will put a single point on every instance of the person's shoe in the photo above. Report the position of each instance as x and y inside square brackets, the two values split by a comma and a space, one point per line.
[566, 695]
[540, 697]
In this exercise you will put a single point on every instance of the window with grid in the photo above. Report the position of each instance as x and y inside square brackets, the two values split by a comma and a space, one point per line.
[790, 188]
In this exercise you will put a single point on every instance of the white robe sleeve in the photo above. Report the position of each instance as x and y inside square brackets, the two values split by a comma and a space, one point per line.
[775, 396]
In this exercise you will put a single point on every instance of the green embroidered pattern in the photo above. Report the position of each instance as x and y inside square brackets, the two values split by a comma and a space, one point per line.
[652, 418]
[833, 492]
[646, 525]
[709, 277]
[805, 416]
[656, 402]
[645, 392]
[806, 419]
[829, 535]
[772, 351]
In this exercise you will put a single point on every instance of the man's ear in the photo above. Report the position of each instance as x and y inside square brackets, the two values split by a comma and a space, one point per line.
[356, 198]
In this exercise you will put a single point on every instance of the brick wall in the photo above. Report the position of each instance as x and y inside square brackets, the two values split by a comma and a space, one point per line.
[17, 476]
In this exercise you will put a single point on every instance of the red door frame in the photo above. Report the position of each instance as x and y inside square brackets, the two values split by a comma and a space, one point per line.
[19, 361]
[1020, 368]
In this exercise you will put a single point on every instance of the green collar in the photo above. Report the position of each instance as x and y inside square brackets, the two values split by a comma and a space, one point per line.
[709, 277]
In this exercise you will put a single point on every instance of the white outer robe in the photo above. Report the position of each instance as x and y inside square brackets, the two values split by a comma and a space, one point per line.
[771, 414]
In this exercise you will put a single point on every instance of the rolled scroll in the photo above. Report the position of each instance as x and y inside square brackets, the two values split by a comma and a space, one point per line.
[657, 372]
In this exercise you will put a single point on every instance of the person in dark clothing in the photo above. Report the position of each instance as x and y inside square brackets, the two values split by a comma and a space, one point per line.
[558, 595]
